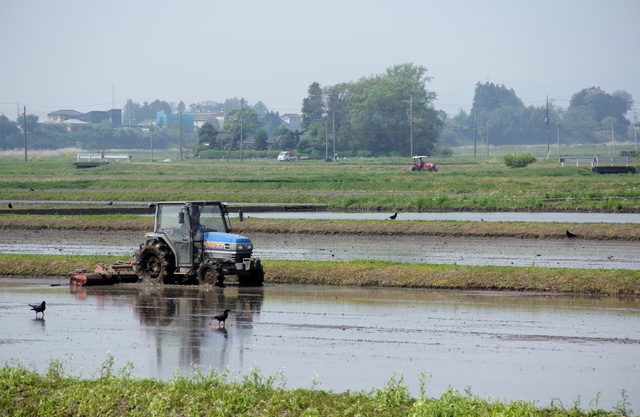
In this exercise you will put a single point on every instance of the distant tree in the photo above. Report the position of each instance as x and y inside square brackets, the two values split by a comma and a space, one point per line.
[260, 140]
[336, 104]
[231, 104]
[313, 108]
[628, 99]
[207, 133]
[150, 110]
[181, 107]
[378, 112]
[250, 123]
[130, 113]
[260, 109]
[490, 96]
[288, 139]
[270, 122]
[32, 122]
[9, 133]
[593, 107]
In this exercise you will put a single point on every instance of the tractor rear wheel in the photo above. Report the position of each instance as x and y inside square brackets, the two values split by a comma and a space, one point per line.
[210, 274]
[154, 263]
[254, 278]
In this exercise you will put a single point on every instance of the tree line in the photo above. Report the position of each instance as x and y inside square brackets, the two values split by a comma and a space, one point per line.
[499, 117]
[391, 113]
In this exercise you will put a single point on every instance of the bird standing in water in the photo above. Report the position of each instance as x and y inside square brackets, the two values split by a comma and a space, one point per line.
[393, 216]
[222, 317]
[38, 308]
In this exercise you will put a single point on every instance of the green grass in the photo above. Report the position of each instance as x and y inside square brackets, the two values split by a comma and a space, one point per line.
[25, 392]
[357, 184]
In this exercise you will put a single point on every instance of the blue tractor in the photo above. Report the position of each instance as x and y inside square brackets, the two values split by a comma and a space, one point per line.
[193, 241]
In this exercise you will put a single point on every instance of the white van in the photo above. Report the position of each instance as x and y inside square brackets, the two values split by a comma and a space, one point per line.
[284, 156]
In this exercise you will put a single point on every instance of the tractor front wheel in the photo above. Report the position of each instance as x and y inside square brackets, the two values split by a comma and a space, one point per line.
[154, 262]
[210, 274]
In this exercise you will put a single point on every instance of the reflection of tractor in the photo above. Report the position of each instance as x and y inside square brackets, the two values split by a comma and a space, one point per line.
[420, 165]
[190, 241]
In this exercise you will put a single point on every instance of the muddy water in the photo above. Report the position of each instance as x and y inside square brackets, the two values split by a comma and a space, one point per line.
[549, 253]
[502, 345]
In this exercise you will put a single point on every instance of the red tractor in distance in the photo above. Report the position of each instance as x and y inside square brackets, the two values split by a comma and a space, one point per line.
[420, 165]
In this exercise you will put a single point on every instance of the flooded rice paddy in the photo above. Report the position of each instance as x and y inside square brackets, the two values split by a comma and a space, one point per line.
[501, 345]
[457, 216]
[561, 253]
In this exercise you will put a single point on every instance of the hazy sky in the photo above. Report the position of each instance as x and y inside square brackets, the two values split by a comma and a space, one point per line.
[80, 54]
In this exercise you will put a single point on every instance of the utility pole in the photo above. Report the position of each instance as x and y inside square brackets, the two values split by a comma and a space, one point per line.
[613, 138]
[153, 127]
[411, 121]
[487, 139]
[326, 142]
[241, 129]
[474, 134]
[547, 121]
[25, 133]
[181, 136]
[635, 129]
[334, 133]
[558, 130]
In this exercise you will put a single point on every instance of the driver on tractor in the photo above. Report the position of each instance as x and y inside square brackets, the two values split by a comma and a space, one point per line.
[421, 164]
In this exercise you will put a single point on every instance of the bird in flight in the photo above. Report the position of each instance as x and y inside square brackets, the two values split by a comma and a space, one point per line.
[222, 317]
[571, 235]
[38, 308]
[393, 216]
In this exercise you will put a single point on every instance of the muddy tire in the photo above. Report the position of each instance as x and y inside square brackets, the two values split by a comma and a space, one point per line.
[154, 262]
[414, 168]
[210, 274]
[254, 278]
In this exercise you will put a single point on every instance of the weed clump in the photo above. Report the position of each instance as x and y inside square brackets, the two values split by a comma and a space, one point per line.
[518, 160]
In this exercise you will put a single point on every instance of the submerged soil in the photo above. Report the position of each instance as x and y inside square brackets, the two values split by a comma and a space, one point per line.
[501, 344]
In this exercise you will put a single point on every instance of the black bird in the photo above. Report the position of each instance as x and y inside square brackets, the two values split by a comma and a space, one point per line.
[571, 235]
[31, 189]
[38, 308]
[393, 216]
[10, 205]
[110, 203]
[222, 317]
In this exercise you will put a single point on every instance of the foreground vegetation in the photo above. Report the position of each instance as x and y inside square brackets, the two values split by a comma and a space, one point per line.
[380, 273]
[357, 184]
[25, 392]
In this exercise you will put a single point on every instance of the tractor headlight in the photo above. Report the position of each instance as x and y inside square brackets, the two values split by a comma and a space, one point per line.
[241, 246]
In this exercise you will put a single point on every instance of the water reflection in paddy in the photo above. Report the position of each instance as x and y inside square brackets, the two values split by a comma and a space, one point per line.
[514, 345]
